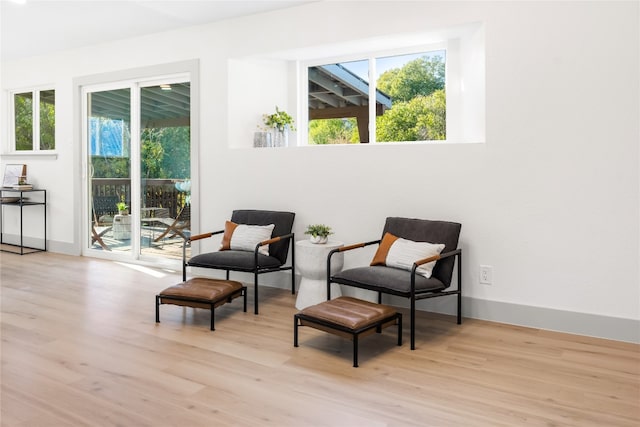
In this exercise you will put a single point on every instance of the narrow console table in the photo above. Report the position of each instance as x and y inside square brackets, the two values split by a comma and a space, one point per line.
[14, 202]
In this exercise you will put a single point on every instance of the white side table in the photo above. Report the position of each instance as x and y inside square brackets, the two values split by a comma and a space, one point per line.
[122, 227]
[311, 262]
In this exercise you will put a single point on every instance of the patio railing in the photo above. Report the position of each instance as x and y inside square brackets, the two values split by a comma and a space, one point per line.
[157, 193]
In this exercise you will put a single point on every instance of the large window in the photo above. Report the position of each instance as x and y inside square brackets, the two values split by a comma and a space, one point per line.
[409, 93]
[34, 120]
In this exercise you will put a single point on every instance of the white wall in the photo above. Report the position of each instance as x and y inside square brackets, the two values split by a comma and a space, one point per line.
[551, 200]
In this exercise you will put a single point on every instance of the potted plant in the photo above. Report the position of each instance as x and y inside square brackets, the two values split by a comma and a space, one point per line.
[122, 208]
[279, 122]
[319, 233]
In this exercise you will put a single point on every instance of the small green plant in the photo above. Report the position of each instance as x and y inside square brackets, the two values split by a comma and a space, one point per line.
[279, 119]
[318, 230]
[122, 206]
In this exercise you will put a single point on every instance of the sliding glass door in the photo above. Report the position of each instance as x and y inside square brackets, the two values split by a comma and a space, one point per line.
[138, 145]
[165, 168]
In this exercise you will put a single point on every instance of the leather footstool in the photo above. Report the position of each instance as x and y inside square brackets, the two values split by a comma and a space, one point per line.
[201, 292]
[348, 317]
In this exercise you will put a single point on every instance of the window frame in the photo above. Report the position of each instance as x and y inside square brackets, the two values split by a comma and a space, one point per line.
[371, 57]
[35, 117]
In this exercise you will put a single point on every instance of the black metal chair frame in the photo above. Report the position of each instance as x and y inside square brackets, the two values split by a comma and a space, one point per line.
[413, 295]
[257, 270]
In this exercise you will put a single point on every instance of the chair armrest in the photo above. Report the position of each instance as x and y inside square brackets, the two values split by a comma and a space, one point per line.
[437, 257]
[204, 235]
[274, 240]
[354, 246]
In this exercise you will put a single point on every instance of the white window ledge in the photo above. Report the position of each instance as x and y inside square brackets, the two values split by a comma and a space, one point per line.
[31, 154]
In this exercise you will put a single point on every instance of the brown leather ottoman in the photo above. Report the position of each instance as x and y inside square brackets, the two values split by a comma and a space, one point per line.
[201, 292]
[348, 317]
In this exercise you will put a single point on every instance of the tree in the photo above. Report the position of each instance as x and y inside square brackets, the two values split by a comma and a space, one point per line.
[421, 119]
[333, 131]
[420, 77]
[419, 102]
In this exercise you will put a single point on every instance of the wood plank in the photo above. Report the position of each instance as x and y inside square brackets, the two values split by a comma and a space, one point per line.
[80, 346]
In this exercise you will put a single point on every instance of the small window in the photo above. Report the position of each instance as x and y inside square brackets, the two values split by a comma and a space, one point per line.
[34, 120]
[409, 92]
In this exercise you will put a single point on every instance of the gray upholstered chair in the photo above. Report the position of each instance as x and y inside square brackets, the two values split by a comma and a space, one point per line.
[251, 261]
[405, 283]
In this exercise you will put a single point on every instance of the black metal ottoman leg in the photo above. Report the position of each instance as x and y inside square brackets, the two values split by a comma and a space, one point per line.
[355, 350]
[295, 330]
[212, 319]
[157, 308]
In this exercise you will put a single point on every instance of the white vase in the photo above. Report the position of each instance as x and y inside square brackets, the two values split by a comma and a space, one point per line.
[318, 239]
[281, 137]
[262, 139]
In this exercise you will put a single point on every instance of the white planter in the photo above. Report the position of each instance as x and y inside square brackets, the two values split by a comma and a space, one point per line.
[318, 239]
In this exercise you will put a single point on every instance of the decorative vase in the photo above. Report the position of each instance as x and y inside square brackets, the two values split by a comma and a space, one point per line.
[319, 240]
[262, 139]
[281, 137]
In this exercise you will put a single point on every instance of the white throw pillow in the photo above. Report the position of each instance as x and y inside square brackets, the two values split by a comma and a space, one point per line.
[403, 253]
[246, 237]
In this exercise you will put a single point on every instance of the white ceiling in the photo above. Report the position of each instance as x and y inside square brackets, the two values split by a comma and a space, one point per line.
[43, 26]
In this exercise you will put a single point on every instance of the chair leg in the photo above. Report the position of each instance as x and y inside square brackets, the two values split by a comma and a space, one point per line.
[295, 331]
[293, 267]
[255, 293]
[459, 308]
[293, 281]
[157, 309]
[399, 329]
[413, 323]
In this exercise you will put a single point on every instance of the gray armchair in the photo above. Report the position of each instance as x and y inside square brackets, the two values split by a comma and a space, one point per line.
[251, 261]
[407, 283]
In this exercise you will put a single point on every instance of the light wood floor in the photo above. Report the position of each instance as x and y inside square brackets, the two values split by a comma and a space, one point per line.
[80, 346]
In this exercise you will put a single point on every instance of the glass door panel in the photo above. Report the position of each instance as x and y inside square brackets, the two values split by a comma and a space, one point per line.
[165, 177]
[109, 149]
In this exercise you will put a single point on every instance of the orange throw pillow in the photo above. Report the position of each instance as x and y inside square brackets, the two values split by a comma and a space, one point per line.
[380, 258]
[229, 227]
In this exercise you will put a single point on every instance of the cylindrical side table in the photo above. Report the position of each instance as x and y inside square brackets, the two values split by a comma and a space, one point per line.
[311, 262]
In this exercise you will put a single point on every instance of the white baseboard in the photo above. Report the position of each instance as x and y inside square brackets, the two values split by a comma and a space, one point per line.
[592, 325]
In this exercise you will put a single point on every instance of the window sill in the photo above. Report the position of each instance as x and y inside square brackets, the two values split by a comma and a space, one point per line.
[31, 154]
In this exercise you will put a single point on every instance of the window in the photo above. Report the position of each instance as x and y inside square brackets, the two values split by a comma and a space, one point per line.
[34, 120]
[409, 93]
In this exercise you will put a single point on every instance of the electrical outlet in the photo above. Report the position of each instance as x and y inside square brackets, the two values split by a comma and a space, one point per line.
[486, 274]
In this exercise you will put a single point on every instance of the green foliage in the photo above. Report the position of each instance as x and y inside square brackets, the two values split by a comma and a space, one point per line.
[420, 77]
[279, 119]
[47, 120]
[47, 126]
[318, 230]
[333, 131]
[23, 107]
[165, 154]
[151, 153]
[421, 119]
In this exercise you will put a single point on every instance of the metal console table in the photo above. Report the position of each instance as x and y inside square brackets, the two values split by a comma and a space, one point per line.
[14, 198]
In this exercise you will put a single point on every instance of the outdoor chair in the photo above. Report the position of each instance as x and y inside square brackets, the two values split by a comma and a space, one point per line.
[178, 226]
[244, 246]
[415, 260]
[104, 209]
